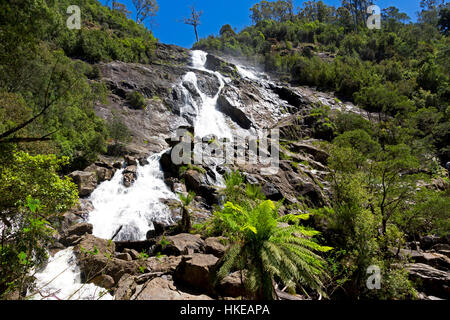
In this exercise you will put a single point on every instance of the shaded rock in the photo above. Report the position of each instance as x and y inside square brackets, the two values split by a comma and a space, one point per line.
[229, 103]
[432, 281]
[197, 270]
[70, 240]
[165, 289]
[86, 182]
[318, 154]
[271, 192]
[130, 161]
[124, 256]
[133, 253]
[215, 247]
[180, 244]
[79, 229]
[292, 97]
[231, 286]
[158, 229]
[197, 182]
[429, 241]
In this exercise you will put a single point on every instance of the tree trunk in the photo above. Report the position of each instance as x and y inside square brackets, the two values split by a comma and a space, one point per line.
[196, 34]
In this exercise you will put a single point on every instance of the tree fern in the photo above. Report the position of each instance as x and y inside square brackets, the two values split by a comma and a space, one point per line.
[267, 251]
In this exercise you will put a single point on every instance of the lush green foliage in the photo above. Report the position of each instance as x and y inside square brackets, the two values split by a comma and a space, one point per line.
[264, 251]
[401, 70]
[32, 193]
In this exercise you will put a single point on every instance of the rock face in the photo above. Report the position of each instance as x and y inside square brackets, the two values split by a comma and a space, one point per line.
[86, 182]
[196, 270]
[217, 64]
[433, 281]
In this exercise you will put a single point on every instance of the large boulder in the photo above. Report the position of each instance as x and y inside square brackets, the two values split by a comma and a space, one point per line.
[79, 229]
[129, 175]
[215, 246]
[72, 235]
[162, 288]
[86, 182]
[198, 182]
[232, 286]
[180, 244]
[197, 270]
[164, 264]
[97, 257]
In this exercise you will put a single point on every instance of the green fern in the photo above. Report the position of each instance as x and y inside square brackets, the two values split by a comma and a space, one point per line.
[266, 251]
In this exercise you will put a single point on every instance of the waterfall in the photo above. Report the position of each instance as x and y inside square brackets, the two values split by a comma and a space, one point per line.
[133, 208]
[61, 280]
[209, 120]
[137, 207]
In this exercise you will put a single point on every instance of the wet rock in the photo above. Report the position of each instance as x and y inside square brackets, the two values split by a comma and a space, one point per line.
[217, 64]
[197, 271]
[158, 229]
[143, 161]
[86, 182]
[130, 161]
[129, 175]
[229, 103]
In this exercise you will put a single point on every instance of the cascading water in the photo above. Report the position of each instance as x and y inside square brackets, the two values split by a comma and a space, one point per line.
[209, 120]
[133, 208]
[61, 280]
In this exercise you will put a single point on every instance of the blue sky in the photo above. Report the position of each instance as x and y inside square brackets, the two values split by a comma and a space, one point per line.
[169, 30]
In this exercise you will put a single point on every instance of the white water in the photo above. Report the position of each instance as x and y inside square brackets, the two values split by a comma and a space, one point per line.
[135, 207]
[60, 280]
[209, 120]
[246, 73]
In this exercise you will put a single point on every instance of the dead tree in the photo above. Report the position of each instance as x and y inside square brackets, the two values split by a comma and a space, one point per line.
[194, 20]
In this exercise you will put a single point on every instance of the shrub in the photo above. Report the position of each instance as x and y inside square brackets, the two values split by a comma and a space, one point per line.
[136, 100]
